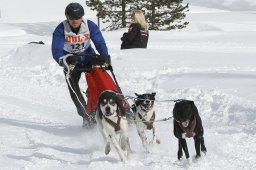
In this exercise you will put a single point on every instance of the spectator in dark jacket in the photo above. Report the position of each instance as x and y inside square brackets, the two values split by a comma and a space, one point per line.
[137, 35]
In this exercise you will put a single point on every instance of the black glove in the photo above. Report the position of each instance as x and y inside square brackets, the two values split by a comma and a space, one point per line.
[71, 63]
[61, 63]
[71, 60]
[107, 59]
[102, 59]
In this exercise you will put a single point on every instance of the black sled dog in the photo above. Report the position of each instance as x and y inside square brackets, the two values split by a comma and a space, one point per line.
[187, 123]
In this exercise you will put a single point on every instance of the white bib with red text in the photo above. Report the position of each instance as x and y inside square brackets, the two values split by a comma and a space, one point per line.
[76, 43]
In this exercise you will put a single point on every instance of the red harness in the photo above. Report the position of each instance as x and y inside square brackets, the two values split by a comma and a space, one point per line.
[149, 123]
[115, 125]
[190, 129]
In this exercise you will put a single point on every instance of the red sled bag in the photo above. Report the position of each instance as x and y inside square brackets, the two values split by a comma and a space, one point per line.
[98, 81]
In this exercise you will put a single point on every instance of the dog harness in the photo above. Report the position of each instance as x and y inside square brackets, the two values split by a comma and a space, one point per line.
[190, 129]
[149, 123]
[115, 125]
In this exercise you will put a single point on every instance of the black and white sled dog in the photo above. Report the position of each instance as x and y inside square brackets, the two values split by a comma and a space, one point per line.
[187, 123]
[145, 116]
[112, 123]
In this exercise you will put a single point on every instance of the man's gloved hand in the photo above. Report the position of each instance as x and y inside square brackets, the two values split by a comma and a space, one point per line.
[100, 59]
[103, 59]
[61, 63]
[108, 59]
[71, 60]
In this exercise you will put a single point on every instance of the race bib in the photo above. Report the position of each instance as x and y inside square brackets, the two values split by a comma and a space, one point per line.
[76, 43]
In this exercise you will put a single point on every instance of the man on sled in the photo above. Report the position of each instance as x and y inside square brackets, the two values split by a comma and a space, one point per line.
[72, 38]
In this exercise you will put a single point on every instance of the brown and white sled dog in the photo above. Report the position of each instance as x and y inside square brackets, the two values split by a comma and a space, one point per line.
[145, 117]
[112, 123]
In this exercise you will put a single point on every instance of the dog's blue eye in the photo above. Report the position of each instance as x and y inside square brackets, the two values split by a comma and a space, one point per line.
[104, 102]
[112, 102]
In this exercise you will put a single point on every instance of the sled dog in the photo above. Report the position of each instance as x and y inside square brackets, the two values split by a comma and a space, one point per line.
[145, 116]
[112, 123]
[187, 123]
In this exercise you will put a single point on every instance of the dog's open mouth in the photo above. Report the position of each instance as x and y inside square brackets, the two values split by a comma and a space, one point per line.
[185, 123]
[108, 114]
[147, 106]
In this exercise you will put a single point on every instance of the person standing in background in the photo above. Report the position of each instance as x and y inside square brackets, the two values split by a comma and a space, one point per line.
[137, 35]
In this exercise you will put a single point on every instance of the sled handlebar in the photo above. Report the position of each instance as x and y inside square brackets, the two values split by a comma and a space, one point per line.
[95, 60]
[89, 69]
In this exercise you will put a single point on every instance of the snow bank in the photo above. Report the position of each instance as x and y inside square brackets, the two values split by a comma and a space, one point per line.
[234, 5]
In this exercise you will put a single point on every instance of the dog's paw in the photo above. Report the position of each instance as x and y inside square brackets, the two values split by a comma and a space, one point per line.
[107, 148]
[179, 154]
[146, 148]
[203, 149]
[129, 155]
[189, 161]
[155, 141]
[197, 157]
[123, 160]
[147, 151]
[145, 144]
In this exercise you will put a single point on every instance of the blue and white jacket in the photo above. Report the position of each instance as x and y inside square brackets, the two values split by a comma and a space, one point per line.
[64, 41]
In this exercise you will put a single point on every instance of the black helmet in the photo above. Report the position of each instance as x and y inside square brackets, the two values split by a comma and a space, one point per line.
[74, 11]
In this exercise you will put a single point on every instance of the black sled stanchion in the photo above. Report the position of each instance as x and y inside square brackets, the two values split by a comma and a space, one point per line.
[129, 113]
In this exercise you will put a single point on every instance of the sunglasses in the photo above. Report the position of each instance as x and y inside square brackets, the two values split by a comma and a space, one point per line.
[73, 18]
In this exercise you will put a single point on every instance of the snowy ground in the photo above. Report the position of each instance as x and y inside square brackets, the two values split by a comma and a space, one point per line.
[211, 62]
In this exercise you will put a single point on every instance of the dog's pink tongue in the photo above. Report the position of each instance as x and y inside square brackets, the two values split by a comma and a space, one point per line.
[185, 124]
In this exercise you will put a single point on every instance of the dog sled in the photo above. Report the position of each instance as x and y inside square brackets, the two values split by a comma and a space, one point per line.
[98, 80]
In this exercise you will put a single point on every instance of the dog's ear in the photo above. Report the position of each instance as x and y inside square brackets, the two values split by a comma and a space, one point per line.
[99, 110]
[193, 107]
[119, 103]
[177, 110]
[137, 101]
[137, 94]
[154, 94]
[99, 100]
[191, 103]
[174, 111]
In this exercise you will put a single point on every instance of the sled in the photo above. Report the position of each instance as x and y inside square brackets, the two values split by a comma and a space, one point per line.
[98, 80]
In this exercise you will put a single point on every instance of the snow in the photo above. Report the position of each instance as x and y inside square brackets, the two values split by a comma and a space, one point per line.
[211, 62]
[233, 5]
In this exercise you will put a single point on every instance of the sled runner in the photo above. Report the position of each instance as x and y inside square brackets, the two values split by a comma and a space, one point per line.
[98, 80]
